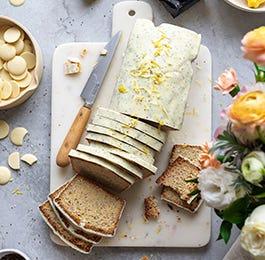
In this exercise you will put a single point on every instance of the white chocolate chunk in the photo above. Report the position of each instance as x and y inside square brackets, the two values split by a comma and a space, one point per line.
[17, 2]
[30, 159]
[7, 51]
[27, 46]
[72, 66]
[4, 75]
[2, 31]
[14, 161]
[19, 45]
[6, 90]
[5, 175]
[20, 77]
[4, 129]
[26, 81]
[30, 59]
[15, 89]
[12, 35]
[17, 66]
[17, 135]
[103, 52]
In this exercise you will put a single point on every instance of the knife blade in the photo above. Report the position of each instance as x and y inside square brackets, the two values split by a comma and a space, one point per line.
[97, 76]
[89, 94]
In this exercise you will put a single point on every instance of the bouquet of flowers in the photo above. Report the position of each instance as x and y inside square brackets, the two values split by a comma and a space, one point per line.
[232, 180]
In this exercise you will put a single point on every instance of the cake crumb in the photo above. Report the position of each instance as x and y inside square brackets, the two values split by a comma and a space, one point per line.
[84, 52]
[151, 209]
[145, 257]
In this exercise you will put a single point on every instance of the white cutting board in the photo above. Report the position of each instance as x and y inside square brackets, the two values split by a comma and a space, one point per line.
[174, 228]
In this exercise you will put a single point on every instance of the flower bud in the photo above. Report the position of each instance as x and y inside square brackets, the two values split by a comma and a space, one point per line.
[253, 167]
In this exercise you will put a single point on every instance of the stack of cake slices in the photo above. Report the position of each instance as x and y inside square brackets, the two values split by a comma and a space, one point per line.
[120, 150]
[80, 213]
[179, 180]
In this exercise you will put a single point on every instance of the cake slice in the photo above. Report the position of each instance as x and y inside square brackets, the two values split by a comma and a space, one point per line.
[131, 122]
[133, 133]
[89, 207]
[177, 175]
[171, 196]
[53, 222]
[94, 239]
[101, 171]
[111, 141]
[91, 128]
[94, 148]
[189, 152]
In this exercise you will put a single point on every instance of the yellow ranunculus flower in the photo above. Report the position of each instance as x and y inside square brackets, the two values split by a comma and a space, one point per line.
[249, 109]
[255, 3]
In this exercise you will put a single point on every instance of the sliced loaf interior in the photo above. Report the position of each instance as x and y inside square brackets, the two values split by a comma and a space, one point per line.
[171, 196]
[89, 207]
[176, 176]
[52, 221]
[91, 238]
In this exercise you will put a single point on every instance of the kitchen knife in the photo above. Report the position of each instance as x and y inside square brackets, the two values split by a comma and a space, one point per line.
[89, 95]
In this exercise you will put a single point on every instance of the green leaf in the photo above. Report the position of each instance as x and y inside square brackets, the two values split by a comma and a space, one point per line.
[235, 91]
[194, 192]
[194, 180]
[225, 231]
[237, 212]
[260, 196]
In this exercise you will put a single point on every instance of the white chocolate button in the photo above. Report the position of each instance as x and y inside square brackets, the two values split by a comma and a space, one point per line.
[1, 63]
[17, 135]
[6, 90]
[19, 45]
[15, 89]
[14, 161]
[2, 41]
[17, 2]
[5, 175]
[25, 82]
[30, 59]
[20, 77]
[27, 46]
[4, 129]
[2, 31]
[22, 36]
[5, 67]
[12, 34]
[7, 51]
[5, 75]
[17, 66]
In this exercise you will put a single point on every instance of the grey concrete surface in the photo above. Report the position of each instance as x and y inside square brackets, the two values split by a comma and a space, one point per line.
[54, 22]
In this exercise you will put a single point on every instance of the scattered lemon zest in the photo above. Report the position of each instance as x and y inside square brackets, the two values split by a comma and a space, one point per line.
[122, 89]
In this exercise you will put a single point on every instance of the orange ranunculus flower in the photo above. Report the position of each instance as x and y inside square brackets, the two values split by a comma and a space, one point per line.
[254, 45]
[248, 109]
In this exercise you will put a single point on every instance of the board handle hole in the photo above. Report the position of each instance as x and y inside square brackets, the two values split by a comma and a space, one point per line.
[131, 13]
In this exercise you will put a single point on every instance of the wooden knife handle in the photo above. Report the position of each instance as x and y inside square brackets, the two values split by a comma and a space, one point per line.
[73, 137]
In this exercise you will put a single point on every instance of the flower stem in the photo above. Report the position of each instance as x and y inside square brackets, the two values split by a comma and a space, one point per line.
[259, 73]
[235, 91]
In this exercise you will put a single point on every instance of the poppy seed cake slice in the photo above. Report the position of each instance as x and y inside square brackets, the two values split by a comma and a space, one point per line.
[101, 171]
[176, 175]
[90, 208]
[171, 196]
[189, 152]
[94, 239]
[55, 225]
[121, 137]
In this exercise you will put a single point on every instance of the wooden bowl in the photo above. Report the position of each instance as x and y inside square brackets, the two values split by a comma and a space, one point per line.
[242, 5]
[36, 72]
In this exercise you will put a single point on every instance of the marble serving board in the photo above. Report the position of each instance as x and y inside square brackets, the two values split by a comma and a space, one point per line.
[175, 227]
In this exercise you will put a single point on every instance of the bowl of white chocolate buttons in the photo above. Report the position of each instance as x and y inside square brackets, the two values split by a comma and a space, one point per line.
[20, 63]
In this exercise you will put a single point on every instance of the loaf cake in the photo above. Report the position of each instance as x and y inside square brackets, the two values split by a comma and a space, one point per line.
[156, 73]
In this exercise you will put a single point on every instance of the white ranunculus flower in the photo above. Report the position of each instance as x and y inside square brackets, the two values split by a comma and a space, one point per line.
[253, 233]
[216, 186]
